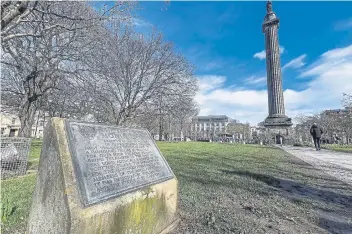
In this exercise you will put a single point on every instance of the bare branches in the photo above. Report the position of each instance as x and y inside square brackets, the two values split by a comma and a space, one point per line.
[15, 23]
[143, 69]
[69, 60]
[43, 45]
[337, 124]
[11, 10]
[347, 100]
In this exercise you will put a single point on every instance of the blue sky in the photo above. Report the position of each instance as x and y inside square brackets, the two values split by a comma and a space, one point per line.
[225, 42]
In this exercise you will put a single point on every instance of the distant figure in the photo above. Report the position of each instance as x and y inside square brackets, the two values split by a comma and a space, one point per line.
[316, 132]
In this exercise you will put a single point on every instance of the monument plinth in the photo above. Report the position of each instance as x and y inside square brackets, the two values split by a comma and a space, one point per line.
[96, 178]
[277, 123]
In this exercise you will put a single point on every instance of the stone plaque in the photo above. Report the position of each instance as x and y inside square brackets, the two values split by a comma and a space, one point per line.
[110, 161]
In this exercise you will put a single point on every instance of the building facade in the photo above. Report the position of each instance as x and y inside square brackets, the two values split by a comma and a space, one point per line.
[209, 127]
[10, 125]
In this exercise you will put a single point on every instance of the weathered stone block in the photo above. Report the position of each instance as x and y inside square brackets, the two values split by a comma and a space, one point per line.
[66, 200]
[283, 132]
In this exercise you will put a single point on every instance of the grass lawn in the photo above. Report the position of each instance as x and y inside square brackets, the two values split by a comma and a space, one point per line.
[345, 150]
[339, 148]
[230, 189]
[16, 194]
[34, 155]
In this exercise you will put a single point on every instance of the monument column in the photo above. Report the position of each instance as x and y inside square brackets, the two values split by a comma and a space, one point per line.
[273, 67]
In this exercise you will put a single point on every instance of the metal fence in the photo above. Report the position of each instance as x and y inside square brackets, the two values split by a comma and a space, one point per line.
[14, 153]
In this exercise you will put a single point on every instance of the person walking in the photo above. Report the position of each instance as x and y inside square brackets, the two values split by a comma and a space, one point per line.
[316, 133]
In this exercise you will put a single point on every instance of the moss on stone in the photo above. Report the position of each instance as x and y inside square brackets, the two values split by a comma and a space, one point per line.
[142, 216]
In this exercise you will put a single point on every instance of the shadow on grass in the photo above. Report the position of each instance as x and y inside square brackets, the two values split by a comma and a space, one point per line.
[335, 221]
[32, 165]
[336, 226]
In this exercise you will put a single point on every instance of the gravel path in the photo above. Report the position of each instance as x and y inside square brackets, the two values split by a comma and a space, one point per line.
[337, 164]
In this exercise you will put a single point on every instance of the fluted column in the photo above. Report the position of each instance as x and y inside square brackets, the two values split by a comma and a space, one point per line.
[273, 67]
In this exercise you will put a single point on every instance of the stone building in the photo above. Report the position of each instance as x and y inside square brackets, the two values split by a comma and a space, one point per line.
[10, 125]
[278, 125]
[209, 127]
[338, 112]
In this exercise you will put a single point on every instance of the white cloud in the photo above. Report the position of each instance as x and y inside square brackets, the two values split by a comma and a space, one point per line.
[140, 22]
[255, 80]
[296, 63]
[215, 64]
[343, 24]
[282, 49]
[261, 55]
[329, 61]
[331, 75]
[209, 82]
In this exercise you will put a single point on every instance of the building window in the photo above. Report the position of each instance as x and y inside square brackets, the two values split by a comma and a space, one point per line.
[13, 120]
[2, 131]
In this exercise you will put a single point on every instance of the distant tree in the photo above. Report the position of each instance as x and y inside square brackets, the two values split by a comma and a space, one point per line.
[347, 120]
[334, 123]
[240, 128]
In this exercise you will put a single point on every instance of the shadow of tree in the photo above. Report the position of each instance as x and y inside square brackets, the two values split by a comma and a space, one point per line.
[270, 182]
[297, 192]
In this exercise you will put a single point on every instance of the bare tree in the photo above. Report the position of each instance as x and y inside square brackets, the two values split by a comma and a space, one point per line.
[347, 100]
[137, 72]
[41, 45]
[336, 123]
[240, 128]
[16, 15]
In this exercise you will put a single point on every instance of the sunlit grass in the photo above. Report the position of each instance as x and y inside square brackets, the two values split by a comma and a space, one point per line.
[213, 177]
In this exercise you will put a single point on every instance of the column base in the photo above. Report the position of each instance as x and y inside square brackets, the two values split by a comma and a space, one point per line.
[277, 120]
[280, 134]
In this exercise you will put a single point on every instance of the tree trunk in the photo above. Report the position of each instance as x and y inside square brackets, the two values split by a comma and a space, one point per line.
[26, 115]
[160, 128]
[36, 125]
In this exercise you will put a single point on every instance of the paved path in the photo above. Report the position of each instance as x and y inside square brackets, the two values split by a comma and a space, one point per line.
[337, 164]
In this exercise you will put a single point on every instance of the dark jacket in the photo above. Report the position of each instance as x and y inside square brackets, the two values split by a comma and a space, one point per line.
[316, 131]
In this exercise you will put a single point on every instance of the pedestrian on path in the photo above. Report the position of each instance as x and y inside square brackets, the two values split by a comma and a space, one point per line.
[316, 133]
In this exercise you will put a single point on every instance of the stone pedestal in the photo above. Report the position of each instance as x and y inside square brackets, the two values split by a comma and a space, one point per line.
[64, 201]
[280, 134]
